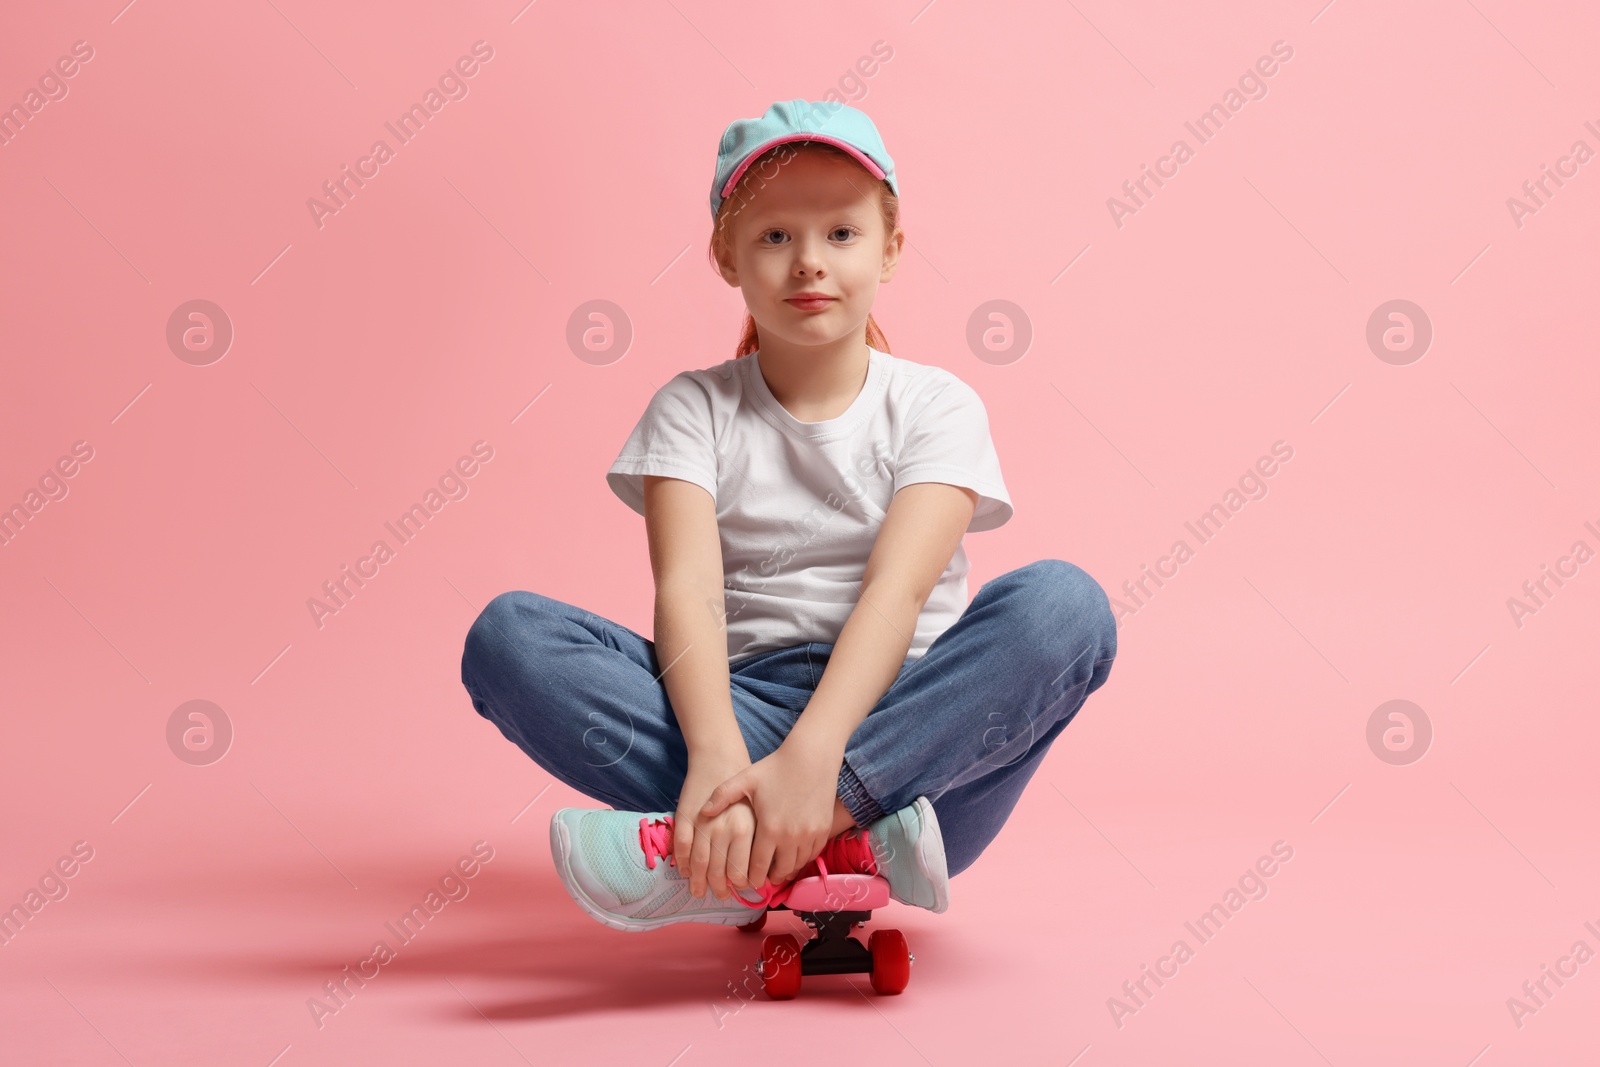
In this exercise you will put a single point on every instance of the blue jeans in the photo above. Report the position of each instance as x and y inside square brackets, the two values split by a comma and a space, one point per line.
[966, 725]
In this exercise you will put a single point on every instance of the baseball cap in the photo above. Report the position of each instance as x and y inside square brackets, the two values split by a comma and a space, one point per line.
[799, 120]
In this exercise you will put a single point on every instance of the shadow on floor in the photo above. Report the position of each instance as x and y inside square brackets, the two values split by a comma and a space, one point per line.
[515, 948]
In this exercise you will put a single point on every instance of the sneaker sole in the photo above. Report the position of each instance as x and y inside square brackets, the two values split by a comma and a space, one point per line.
[561, 849]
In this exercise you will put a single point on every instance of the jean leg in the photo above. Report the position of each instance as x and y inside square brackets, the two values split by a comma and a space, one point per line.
[582, 696]
[968, 723]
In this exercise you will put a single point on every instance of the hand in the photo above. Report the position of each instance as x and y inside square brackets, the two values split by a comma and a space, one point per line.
[712, 851]
[792, 792]
[721, 854]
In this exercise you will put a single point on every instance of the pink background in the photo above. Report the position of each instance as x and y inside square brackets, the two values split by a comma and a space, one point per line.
[1228, 313]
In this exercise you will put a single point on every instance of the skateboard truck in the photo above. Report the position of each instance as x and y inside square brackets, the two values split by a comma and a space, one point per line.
[832, 907]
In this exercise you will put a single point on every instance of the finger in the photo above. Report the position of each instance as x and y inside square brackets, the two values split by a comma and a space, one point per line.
[700, 859]
[820, 844]
[739, 861]
[713, 805]
[722, 796]
[682, 840]
[784, 863]
[796, 861]
[801, 858]
[760, 859]
[717, 867]
[808, 852]
[799, 862]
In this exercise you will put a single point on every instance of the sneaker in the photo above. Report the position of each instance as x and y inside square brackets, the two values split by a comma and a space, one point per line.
[847, 853]
[905, 847]
[909, 850]
[619, 868]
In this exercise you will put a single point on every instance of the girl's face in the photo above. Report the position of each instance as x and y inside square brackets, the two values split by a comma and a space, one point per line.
[810, 224]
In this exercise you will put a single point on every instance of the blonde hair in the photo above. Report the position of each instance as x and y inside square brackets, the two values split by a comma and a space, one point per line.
[721, 248]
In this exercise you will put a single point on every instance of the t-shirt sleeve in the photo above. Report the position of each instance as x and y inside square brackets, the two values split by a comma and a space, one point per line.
[673, 439]
[948, 441]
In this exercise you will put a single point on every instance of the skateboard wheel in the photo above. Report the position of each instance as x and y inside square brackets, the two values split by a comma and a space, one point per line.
[780, 966]
[754, 926]
[891, 961]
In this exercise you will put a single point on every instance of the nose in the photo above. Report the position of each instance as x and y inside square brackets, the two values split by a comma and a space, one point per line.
[808, 256]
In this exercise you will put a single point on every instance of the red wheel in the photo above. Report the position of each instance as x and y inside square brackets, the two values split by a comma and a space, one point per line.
[755, 926]
[891, 961]
[780, 966]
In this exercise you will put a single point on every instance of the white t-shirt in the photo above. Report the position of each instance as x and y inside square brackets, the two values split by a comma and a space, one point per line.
[799, 504]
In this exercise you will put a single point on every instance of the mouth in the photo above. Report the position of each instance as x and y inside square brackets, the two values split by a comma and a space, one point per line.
[810, 303]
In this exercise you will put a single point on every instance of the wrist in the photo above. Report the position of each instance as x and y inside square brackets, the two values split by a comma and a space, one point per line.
[720, 750]
[814, 745]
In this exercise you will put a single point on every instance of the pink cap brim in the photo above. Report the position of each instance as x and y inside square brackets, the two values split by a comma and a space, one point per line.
[733, 179]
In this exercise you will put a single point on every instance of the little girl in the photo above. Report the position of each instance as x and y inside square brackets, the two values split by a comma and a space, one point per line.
[820, 696]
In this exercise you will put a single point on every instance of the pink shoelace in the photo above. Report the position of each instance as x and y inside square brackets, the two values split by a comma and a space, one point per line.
[847, 853]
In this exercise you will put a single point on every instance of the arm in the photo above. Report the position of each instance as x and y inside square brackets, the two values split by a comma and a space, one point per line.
[793, 790]
[918, 538]
[691, 648]
[692, 653]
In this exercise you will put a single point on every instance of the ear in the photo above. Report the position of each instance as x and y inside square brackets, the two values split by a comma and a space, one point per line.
[891, 254]
[729, 272]
[725, 264]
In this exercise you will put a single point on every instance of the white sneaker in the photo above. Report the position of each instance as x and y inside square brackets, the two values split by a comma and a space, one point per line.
[909, 850]
[618, 867]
